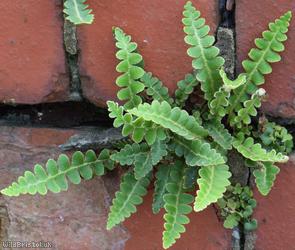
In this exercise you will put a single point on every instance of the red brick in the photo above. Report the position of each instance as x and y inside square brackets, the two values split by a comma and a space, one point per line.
[252, 18]
[204, 232]
[275, 213]
[72, 220]
[31, 52]
[156, 26]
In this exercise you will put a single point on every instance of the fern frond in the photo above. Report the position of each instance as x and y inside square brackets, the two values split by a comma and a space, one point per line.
[267, 52]
[196, 153]
[138, 128]
[206, 60]
[218, 105]
[219, 133]
[57, 174]
[162, 178]
[249, 109]
[126, 200]
[141, 156]
[176, 120]
[185, 88]
[78, 12]
[265, 177]
[255, 152]
[117, 113]
[212, 185]
[155, 88]
[129, 81]
[176, 205]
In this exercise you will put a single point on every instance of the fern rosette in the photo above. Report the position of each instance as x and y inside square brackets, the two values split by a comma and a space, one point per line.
[186, 149]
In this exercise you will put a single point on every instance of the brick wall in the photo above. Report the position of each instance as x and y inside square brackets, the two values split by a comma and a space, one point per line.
[36, 67]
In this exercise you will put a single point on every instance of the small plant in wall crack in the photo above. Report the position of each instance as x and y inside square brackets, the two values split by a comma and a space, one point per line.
[237, 206]
[181, 151]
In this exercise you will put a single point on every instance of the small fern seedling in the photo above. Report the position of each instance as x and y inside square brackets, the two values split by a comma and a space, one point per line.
[186, 149]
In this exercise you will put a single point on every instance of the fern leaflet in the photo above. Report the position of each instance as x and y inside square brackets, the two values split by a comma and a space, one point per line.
[176, 206]
[155, 88]
[196, 153]
[126, 200]
[219, 133]
[265, 177]
[255, 152]
[249, 109]
[228, 84]
[139, 129]
[131, 72]
[267, 52]
[57, 174]
[206, 60]
[141, 156]
[78, 12]
[212, 185]
[176, 120]
[185, 88]
[162, 178]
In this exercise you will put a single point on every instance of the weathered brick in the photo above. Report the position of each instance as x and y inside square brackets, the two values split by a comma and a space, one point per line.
[156, 27]
[275, 213]
[72, 220]
[31, 52]
[252, 18]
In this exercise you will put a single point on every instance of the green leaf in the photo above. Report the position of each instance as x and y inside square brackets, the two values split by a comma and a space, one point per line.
[126, 200]
[276, 137]
[219, 133]
[206, 60]
[255, 152]
[212, 185]
[259, 64]
[129, 81]
[176, 205]
[251, 225]
[138, 128]
[162, 178]
[78, 12]
[155, 88]
[231, 221]
[59, 173]
[141, 156]
[265, 177]
[185, 88]
[218, 105]
[196, 153]
[249, 109]
[190, 177]
[176, 120]
[116, 111]
[232, 84]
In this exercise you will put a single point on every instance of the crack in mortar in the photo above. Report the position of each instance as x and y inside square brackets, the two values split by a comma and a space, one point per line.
[72, 55]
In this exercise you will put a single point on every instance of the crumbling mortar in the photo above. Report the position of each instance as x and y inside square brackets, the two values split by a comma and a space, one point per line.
[72, 55]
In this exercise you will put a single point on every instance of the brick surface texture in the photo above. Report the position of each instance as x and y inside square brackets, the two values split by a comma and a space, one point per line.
[71, 220]
[31, 52]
